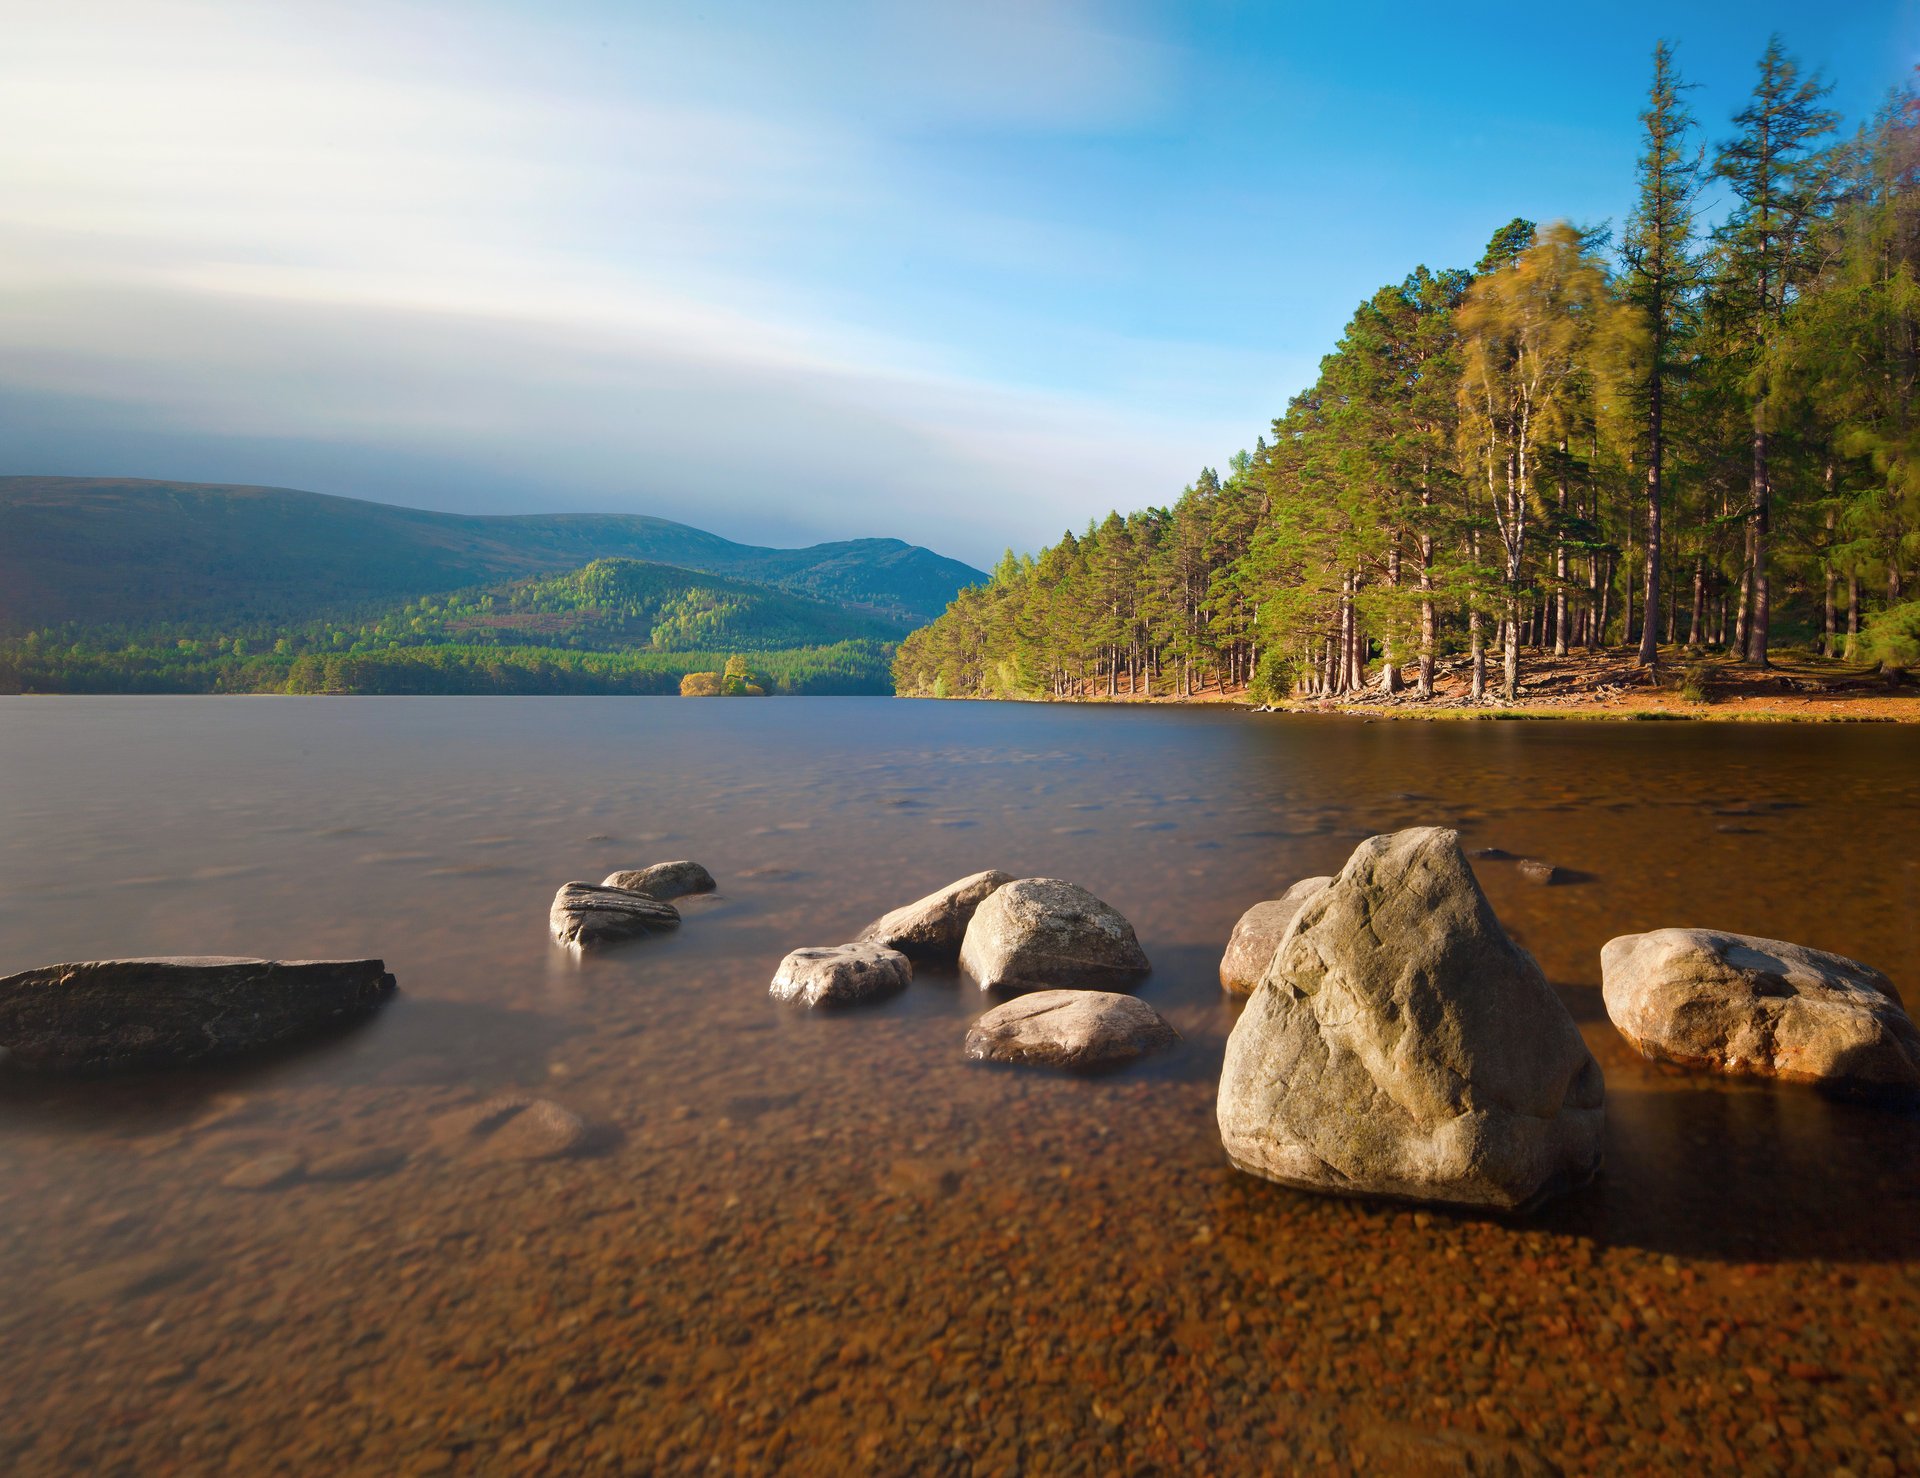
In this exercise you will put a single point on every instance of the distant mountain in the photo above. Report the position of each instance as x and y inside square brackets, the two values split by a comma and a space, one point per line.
[107, 552]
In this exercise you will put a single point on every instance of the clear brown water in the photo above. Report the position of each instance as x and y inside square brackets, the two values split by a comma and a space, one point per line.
[813, 1243]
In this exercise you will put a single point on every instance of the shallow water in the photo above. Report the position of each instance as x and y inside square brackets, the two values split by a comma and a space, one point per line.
[813, 1242]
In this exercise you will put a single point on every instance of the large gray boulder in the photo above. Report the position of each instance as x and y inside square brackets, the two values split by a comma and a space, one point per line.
[1042, 933]
[664, 880]
[933, 927]
[584, 917]
[841, 974]
[1734, 1003]
[1401, 1045]
[1070, 1028]
[1258, 934]
[108, 1015]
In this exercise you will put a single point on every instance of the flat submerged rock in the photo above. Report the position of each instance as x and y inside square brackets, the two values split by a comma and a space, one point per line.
[115, 1015]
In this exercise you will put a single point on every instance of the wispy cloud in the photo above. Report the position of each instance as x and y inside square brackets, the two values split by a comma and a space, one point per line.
[591, 252]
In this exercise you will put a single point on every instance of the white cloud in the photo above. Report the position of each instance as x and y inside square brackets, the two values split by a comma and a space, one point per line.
[476, 243]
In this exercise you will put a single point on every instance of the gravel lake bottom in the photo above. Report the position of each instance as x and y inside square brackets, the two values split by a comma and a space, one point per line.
[826, 1242]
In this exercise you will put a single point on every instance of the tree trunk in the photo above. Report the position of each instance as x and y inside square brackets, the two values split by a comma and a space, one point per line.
[1476, 635]
[1759, 520]
[1695, 631]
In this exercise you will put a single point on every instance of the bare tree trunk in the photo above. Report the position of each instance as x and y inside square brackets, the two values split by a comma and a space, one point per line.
[1511, 674]
[1694, 630]
[1853, 613]
[1606, 601]
[1477, 637]
[1759, 522]
[1389, 670]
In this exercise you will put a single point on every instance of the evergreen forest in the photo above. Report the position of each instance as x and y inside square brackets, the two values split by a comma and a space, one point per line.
[1692, 434]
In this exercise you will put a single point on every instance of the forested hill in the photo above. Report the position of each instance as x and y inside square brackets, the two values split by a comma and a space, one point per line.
[113, 553]
[1702, 440]
[613, 626]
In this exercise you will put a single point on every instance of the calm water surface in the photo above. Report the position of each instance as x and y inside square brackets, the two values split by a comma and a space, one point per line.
[808, 1243]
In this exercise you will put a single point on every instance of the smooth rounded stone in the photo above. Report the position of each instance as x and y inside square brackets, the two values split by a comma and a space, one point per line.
[266, 1173]
[1258, 934]
[1401, 1045]
[1734, 1003]
[1536, 871]
[1044, 934]
[841, 974]
[112, 1015]
[1070, 1028]
[933, 927]
[585, 917]
[664, 880]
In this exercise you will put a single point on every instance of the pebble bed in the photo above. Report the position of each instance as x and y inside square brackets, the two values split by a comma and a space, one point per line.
[630, 1215]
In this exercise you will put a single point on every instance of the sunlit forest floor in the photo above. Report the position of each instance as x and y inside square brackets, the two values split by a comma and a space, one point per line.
[1688, 683]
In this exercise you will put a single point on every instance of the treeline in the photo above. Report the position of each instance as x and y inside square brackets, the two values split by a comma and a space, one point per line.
[1703, 437]
[34, 665]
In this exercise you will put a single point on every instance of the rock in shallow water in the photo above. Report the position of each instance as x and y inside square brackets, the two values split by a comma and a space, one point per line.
[1042, 933]
[664, 880]
[1401, 1045]
[933, 927]
[841, 974]
[109, 1015]
[1735, 1003]
[1258, 934]
[513, 1126]
[584, 917]
[1070, 1028]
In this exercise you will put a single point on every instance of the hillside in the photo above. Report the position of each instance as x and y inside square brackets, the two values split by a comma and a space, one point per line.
[617, 605]
[106, 552]
[612, 626]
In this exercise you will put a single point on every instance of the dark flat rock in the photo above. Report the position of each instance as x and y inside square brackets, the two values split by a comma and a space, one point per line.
[113, 1015]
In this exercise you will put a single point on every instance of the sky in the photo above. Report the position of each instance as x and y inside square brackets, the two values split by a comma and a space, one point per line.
[962, 272]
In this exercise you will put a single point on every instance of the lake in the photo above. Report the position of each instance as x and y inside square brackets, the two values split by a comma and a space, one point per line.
[827, 1242]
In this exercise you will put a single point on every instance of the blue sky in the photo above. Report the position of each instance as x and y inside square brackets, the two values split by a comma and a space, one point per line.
[964, 273]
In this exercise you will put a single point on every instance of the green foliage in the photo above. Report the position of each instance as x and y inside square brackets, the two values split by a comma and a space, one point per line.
[1548, 450]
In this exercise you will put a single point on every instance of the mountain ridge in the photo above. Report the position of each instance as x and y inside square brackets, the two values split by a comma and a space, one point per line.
[140, 552]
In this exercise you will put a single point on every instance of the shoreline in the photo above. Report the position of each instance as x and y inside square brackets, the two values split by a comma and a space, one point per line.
[1606, 687]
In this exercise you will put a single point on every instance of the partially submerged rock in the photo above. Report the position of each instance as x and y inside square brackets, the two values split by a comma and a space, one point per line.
[663, 880]
[1042, 933]
[585, 917]
[1735, 1003]
[841, 974]
[1543, 873]
[109, 1015]
[1070, 1028]
[1258, 934]
[1401, 1045]
[933, 927]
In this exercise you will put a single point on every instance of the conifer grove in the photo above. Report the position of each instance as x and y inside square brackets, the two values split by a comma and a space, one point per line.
[1697, 432]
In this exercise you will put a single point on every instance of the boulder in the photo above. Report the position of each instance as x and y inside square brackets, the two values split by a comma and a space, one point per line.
[1258, 934]
[664, 880]
[1543, 873]
[1042, 934]
[1734, 1003]
[1070, 1028]
[841, 974]
[933, 927]
[584, 917]
[109, 1015]
[1401, 1045]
